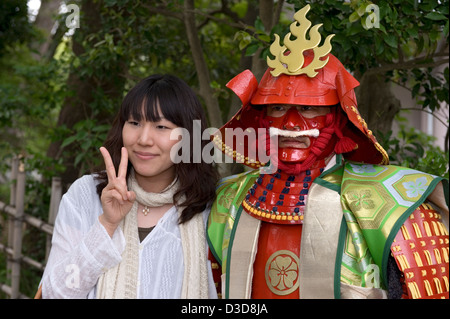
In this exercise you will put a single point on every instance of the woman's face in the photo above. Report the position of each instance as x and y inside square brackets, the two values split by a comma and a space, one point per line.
[148, 145]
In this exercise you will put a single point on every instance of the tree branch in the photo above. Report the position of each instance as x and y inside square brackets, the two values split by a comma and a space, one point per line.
[426, 111]
[164, 11]
[411, 64]
[238, 25]
[225, 9]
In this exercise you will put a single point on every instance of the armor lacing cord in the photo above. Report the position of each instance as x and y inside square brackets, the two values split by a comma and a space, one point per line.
[344, 144]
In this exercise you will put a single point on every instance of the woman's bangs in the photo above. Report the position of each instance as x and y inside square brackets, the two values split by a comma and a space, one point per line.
[149, 108]
[147, 100]
[170, 106]
[143, 108]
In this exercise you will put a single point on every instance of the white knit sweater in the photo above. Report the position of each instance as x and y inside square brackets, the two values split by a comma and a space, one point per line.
[82, 250]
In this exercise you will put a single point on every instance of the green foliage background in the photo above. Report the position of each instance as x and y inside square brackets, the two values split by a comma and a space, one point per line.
[130, 41]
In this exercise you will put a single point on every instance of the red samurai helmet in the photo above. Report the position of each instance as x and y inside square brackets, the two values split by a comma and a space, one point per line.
[302, 73]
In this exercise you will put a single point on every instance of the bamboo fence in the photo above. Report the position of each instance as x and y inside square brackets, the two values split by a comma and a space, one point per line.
[15, 223]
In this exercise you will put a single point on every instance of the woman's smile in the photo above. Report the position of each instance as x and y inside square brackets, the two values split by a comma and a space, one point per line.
[145, 155]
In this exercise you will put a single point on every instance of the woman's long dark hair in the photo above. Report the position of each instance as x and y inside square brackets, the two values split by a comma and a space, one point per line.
[180, 105]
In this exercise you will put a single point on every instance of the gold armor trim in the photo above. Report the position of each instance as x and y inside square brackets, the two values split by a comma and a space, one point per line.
[270, 215]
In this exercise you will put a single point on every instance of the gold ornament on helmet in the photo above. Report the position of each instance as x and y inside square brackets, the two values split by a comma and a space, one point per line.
[292, 63]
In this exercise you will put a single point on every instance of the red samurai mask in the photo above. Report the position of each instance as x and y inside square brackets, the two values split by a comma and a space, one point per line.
[302, 74]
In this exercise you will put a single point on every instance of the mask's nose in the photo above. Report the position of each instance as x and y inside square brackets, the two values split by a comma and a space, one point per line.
[293, 120]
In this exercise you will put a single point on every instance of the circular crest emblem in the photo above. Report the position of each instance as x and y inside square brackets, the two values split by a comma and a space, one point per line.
[282, 272]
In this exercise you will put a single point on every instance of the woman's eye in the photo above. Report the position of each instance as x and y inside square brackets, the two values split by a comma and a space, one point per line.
[134, 123]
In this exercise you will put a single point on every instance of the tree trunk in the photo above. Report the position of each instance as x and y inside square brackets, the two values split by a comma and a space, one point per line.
[77, 106]
[45, 21]
[376, 103]
[246, 62]
[270, 15]
[201, 67]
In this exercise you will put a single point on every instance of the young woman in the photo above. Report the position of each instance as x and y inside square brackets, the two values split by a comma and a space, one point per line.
[137, 229]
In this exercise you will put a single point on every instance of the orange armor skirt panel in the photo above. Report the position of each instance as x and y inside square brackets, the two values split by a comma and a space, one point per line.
[421, 250]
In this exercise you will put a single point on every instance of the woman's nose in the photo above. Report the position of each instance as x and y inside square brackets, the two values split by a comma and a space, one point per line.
[146, 136]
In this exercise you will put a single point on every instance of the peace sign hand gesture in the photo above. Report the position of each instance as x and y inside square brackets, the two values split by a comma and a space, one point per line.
[116, 199]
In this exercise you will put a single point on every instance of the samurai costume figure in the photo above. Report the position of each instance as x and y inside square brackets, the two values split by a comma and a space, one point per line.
[333, 219]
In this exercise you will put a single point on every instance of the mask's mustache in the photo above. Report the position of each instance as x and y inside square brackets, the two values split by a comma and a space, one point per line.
[273, 131]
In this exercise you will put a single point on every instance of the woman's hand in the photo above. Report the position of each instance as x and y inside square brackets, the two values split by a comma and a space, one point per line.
[116, 199]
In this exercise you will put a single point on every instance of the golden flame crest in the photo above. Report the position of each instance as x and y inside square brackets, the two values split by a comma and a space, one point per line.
[292, 64]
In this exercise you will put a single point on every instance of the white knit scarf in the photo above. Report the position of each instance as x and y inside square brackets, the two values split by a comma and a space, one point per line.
[120, 282]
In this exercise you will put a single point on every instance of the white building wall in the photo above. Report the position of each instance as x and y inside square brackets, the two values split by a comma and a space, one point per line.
[423, 121]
